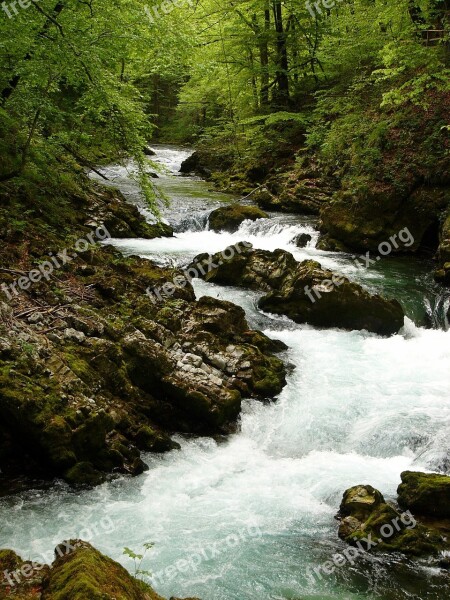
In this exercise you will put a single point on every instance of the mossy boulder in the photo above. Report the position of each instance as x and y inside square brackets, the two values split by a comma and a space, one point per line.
[85, 474]
[305, 291]
[154, 441]
[370, 523]
[426, 494]
[79, 572]
[229, 218]
[325, 299]
[86, 573]
[364, 222]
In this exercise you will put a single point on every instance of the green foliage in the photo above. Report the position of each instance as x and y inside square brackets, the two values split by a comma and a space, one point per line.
[138, 560]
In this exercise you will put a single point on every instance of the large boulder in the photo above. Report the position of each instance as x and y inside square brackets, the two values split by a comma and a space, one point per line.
[228, 218]
[368, 522]
[306, 292]
[426, 494]
[212, 362]
[365, 222]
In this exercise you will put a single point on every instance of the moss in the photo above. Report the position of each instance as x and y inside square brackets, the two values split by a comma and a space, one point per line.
[425, 493]
[154, 441]
[84, 473]
[269, 379]
[89, 438]
[86, 574]
[57, 440]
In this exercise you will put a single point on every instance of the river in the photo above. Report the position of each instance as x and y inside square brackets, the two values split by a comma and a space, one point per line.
[251, 515]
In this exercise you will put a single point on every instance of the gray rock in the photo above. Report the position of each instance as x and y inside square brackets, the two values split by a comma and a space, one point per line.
[74, 335]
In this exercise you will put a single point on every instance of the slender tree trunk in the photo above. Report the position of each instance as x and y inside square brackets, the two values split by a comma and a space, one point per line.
[282, 95]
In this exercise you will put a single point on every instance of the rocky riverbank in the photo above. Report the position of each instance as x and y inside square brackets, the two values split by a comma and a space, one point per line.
[94, 370]
[79, 572]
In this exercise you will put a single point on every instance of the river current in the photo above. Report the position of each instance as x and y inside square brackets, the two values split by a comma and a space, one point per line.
[250, 516]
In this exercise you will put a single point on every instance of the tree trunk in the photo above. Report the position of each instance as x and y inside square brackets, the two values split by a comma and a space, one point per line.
[282, 89]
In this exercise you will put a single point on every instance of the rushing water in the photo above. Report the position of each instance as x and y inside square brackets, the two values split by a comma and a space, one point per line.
[250, 516]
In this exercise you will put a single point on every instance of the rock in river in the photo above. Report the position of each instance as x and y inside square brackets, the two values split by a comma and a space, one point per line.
[305, 292]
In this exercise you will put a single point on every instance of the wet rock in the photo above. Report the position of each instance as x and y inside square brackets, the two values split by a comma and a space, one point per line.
[360, 502]
[302, 240]
[426, 494]
[371, 524]
[364, 222]
[307, 293]
[154, 441]
[229, 218]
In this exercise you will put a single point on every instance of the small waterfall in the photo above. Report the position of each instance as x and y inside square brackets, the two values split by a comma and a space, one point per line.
[193, 222]
[437, 309]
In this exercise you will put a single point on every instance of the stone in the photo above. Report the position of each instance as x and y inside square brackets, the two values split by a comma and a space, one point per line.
[74, 335]
[307, 293]
[229, 218]
[426, 494]
[302, 240]
[365, 515]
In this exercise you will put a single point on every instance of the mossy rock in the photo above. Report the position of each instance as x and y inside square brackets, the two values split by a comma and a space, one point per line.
[84, 473]
[90, 438]
[368, 522]
[57, 441]
[228, 218]
[154, 441]
[360, 501]
[86, 574]
[426, 494]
